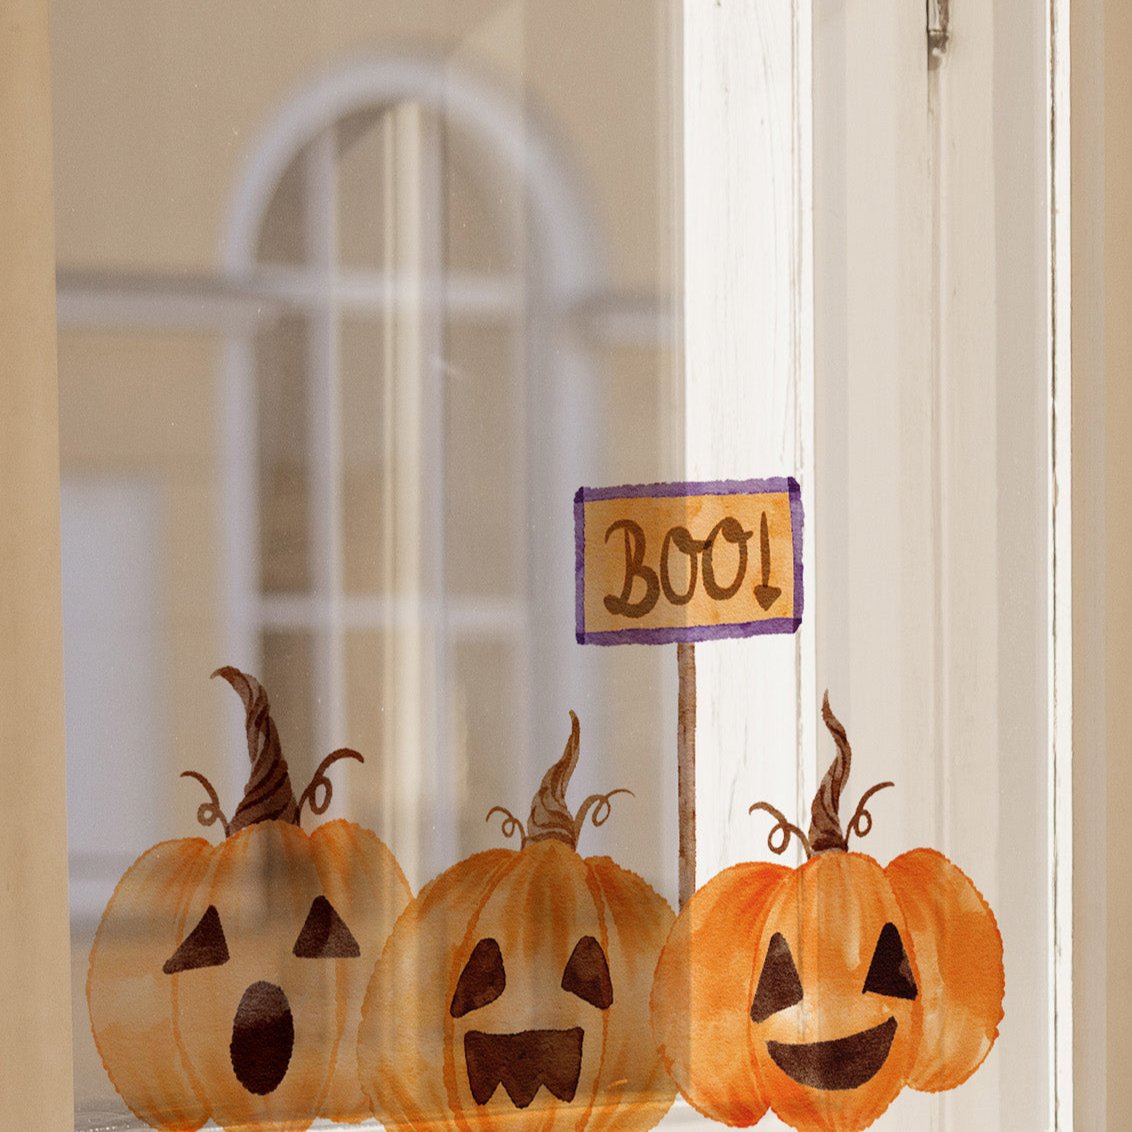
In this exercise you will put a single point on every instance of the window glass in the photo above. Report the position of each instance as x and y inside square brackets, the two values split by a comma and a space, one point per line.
[352, 300]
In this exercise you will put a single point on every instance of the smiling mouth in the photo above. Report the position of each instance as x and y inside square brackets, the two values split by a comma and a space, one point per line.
[523, 1063]
[844, 1063]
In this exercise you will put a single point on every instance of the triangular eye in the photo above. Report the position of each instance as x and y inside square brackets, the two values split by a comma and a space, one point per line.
[325, 935]
[204, 946]
[890, 973]
[481, 981]
[779, 984]
[587, 974]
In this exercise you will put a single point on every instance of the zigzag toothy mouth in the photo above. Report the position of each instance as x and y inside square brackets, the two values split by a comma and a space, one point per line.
[524, 1062]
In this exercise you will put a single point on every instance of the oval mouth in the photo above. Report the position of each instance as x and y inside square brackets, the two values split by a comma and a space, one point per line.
[263, 1036]
[843, 1063]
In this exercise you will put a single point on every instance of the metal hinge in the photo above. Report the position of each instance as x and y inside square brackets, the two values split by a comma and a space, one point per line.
[939, 26]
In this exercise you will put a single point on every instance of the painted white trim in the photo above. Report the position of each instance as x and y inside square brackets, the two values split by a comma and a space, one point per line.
[238, 536]
[1061, 567]
[748, 318]
[933, 415]
[210, 302]
[806, 679]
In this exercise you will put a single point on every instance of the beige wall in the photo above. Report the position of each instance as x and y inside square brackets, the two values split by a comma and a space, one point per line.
[157, 105]
[35, 1049]
[157, 109]
[181, 91]
[1102, 488]
[1118, 546]
[1117, 447]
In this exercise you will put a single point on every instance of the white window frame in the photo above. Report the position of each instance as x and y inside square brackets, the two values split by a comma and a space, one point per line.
[751, 275]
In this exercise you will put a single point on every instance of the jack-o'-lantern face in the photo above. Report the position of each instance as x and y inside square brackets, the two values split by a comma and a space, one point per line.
[259, 978]
[835, 1009]
[226, 980]
[834, 1063]
[528, 1032]
[513, 993]
[820, 992]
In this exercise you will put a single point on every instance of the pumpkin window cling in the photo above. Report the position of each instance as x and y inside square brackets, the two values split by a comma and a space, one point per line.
[820, 992]
[226, 980]
[513, 993]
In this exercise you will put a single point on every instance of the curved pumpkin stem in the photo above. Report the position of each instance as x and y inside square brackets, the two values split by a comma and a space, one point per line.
[825, 824]
[826, 834]
[601, 812]
[268, 795]
[510, 824]
[551, 818]
[320, 781]
[862, 821]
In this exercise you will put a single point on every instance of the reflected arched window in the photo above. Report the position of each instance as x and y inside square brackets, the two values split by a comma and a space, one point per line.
[393, 484]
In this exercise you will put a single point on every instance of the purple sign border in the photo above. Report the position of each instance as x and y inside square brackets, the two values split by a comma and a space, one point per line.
[681, 633]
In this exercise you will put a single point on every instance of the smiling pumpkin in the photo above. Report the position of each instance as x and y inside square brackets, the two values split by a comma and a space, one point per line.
[836, 1015]
[820, 992]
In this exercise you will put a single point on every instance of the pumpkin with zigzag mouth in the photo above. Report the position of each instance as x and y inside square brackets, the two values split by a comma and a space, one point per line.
[513, 993]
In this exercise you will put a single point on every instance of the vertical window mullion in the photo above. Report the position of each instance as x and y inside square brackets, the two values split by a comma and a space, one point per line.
[326, 463]
[415, 651]
[748, 393]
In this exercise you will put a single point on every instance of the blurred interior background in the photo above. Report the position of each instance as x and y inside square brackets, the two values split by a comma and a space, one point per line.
[341, 286]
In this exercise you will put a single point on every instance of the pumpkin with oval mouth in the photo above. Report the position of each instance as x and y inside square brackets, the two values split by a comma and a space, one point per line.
[226, 980]
[820, 992]
[513, 993]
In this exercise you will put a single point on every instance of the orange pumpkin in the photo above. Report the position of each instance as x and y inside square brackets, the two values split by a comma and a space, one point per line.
[513, 993]
[820, 992]
[226, 981]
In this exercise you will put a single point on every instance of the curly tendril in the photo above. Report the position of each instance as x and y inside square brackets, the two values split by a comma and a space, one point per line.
[784, 829]
[320, 781]
[208, 813]
[510, 824]
[601, 809]
[862, 821]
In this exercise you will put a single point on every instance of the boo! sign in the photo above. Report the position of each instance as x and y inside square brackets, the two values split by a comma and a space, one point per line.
[663, 562]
